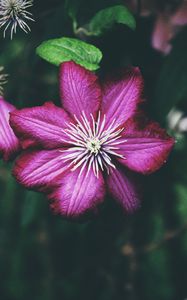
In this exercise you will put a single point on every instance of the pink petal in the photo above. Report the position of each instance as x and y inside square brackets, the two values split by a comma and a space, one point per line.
[145, 147]
[180, 17]
[40, 126]
[123, 189]
[9, 144]
[79, 89]
[38, 169]
[121, 96]
[162, 34]
[78, 193]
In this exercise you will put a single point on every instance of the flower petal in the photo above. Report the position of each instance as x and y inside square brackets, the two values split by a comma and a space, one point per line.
[162, 34]
[121, 96]
[37, 169]
[9, 143]
[179, 18]
[145, 147]
[40, 126]
[79, 89]
[123, 189]
[77, 193]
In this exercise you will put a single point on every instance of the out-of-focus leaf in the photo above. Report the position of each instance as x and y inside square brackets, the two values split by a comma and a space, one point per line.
[171, 87]
[157, 226]
[179, 166]
[64, 49]
[107, 17]
[8, 188]
[180, 191]
[30, 208]
[156, 263]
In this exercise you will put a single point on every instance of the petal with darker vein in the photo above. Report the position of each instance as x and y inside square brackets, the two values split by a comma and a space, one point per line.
[77, 192]
[121, 96]
[39, 169]
[144, 147]
[41, 126]
[123, 189]
[79, 89]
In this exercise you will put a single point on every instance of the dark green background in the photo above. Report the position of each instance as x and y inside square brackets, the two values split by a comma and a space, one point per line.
[112, 256]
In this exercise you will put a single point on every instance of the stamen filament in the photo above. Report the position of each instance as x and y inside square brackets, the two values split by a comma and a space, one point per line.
[93, 145]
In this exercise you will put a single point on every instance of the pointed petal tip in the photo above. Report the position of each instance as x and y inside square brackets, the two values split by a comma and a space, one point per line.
[79, 90]
[122, 95]
[68, 63]
[146, 146]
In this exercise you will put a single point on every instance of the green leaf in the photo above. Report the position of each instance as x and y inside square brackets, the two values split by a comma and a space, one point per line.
[107, 17]
[64, 49]
[180, 191]
[156, 263]
[171, 87]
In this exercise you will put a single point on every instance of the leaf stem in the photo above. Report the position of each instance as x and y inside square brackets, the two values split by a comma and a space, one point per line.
[82, 30]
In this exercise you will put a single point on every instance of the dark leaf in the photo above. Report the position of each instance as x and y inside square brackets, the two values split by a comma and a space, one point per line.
[107, 17]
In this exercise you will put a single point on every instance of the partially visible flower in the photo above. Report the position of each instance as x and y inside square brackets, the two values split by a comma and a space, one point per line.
[3, 80]
[9, 144]
[77, 153]
[14, 13]
[167, 25]
[171, 16]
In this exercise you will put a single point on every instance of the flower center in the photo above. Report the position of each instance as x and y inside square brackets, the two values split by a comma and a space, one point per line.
[93, 145]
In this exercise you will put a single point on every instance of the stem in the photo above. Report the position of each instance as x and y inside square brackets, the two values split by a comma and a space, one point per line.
[82, 33]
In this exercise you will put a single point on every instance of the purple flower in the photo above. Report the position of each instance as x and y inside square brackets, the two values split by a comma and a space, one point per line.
[9, 143]
[77, 153]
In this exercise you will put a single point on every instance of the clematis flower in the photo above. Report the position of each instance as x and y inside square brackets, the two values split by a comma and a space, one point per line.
[79, 152]
[9, 144]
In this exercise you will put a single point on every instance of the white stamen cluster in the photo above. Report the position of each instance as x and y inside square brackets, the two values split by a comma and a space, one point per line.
[3, 80]
[93, 145]
[13, 13]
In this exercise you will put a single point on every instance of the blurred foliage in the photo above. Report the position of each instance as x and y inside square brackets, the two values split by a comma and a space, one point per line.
[105, 19]
[112, 256]
[171, 87]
